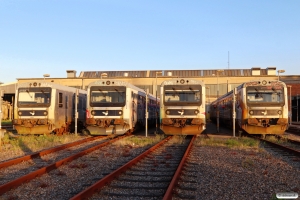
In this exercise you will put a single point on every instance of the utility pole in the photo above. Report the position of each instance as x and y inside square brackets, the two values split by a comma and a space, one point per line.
[146, 112]
[233, 111]
[76, 112]
[1, 95]
[156, 104]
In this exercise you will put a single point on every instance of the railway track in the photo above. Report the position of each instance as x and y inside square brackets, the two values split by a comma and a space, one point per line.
[151, 175]
[294, 129]
[289, 149]
[14, 172]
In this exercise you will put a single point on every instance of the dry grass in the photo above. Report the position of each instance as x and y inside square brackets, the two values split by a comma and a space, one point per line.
[139, 141]
[235, 143]
[277, 140]
[178, 139]
[32, 143]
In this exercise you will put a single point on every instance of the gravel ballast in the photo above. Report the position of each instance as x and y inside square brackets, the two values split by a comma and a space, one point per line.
[225, 173]
[222, 173]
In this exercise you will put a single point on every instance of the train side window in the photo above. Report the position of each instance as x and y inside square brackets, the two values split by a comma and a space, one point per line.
[60, 100]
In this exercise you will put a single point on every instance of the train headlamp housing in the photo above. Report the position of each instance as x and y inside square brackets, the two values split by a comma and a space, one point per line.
[42, 121]
[15, 121]
[120, 112]
[167, 112]
[45, 113]
[196, 112]
[279, 112]
[251, 112]
[20, 113]
[93, 112]
[264, 82]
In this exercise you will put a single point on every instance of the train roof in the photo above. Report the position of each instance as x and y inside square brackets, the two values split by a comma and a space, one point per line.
[182, 81]
[243, 85]
[180, 73]
[113, 82]
[109, 82]
[36, 84]
[259, 82]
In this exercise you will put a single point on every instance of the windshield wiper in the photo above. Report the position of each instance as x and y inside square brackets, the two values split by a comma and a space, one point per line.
[120, 94]
[278, 93]
[44, 93]
[102, 92]
[175, 92]
[257, 95]
[28, 93]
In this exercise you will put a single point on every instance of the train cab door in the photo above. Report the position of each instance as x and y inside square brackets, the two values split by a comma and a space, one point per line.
[134, 109]
[66, 108]
[61, 113]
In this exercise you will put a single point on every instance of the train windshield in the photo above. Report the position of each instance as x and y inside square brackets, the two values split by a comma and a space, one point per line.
[107, 96]
[34, 97]
[265, 95]
[182, 95]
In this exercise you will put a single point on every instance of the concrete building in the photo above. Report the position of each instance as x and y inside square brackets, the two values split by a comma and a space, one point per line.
[224, 79]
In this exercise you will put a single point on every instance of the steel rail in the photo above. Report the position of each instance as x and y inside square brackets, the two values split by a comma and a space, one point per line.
[289, 140]
[293, 141]
[169, 192]
[17, 182]
[107, 179]
[45, 152]
[293, 151]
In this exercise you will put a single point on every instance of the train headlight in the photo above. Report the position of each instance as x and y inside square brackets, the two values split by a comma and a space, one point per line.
[45, 113]
[42, 121]
[196, 112]
[19, 113]
[264, 82]
[93, 112]
[251, 112]
[167, 112]
[279, 112]
[120, 112]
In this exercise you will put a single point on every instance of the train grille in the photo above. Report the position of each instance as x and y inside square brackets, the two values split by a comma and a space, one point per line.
[264, 112]
[107, 112]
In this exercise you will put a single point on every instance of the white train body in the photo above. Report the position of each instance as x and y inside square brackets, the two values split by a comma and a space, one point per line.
[182, 108]
[43, 108]
[261, 107]
[117, 107]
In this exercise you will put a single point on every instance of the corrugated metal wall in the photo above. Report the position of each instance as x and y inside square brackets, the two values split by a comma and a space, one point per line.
[175, 73]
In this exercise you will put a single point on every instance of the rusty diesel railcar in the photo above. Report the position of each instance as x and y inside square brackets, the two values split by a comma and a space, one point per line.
[117, 107]
[261, 107]
[44, 108]
[182, 110]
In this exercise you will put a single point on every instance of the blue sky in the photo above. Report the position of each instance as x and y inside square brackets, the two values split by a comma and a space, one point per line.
[52, 36]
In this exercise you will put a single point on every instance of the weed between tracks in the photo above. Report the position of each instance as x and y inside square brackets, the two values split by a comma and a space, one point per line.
[32, 143]
[235, 143]
[137, 141]
[277, 140]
